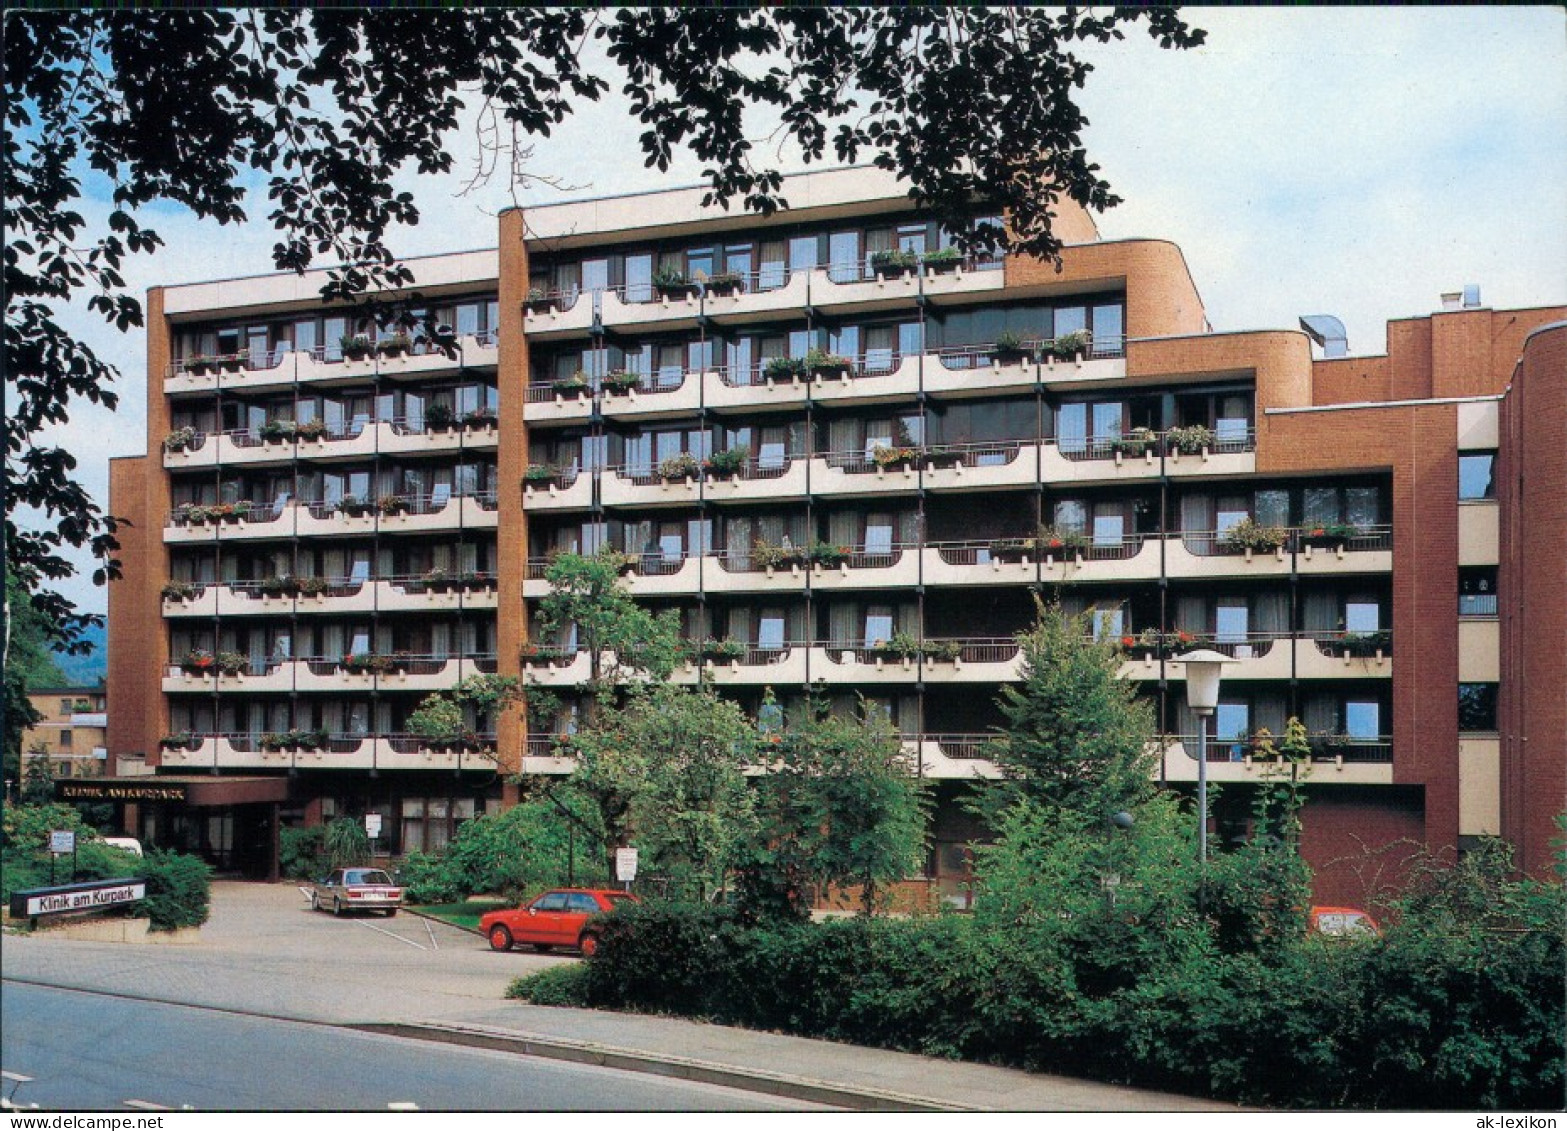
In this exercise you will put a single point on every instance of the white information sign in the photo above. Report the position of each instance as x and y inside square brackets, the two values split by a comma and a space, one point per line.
[372, 825]
[625, 864]
[62, 841]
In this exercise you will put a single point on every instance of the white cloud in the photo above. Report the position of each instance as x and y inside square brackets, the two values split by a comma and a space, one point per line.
[1349, 161]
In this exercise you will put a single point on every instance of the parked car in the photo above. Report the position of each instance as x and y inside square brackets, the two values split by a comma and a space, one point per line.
[565, 917]
[1344, 923]
[356, 889]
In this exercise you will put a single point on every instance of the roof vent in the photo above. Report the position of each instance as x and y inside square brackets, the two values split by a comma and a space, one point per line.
[1328, 332]
[1452, 300]
[1471, 297]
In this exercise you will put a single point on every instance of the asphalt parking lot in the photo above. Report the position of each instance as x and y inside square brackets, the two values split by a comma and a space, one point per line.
[263, 943]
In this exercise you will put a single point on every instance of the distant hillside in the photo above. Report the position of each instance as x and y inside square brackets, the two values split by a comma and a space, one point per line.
[89, 669]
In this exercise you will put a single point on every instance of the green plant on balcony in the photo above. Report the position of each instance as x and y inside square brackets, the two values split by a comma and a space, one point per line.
[198, 661]
[437, 580]
[1010, 346]
[541, 473]
[1190, 439]
[1070, 346]
[179, 740]
[232, 362]
[670, 283]
[942, 260]
[372, 663]
[353, 506]
[1012, 549]
[1135, 443]
[177, 590]
[573, 386]
[724, 283]
[439, 417]
[276, 431]
[197, 364]
[1329, 535]
[784, 368]
[1154, 642]
[1364, 644]
[621, 381]
[541, 653]
[312, 586]
[311, 430]
[294, 740]
[681, 465]
[395, 345]
[278, 586]
[355, 347]
[540, 300]
[829, 554]
[180, 439]
[727, 650]
[728, 463]
[1249, 534]
[231, 663]
[902, 646]
[889, 457]
[943, 651]
[820, 363]
[1060, 541]
[480, 418]
[891, 263]
[391, 505]
[766, 555]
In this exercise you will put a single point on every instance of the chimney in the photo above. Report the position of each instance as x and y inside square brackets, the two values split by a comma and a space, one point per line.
[1471, 296]
[1452, 300]
[1466, 299]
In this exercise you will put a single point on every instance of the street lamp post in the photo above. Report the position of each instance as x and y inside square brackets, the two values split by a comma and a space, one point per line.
[1204, 669]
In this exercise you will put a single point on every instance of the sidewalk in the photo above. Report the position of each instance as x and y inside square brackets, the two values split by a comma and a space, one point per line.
[264, 953]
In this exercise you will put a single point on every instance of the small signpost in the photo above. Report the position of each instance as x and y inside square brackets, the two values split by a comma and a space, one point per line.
[61, 841]
[626, 866]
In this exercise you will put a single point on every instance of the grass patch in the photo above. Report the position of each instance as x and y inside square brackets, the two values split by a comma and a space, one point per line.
[465, 914]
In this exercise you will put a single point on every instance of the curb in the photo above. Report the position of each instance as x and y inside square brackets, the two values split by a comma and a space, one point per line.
[681, 1068]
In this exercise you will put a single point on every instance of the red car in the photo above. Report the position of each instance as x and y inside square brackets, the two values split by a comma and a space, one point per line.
[557, 918]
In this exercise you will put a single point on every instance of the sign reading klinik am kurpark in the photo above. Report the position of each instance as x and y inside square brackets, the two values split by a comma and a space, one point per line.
[118, 791]
[99, 895]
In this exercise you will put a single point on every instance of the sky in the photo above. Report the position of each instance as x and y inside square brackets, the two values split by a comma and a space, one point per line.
[1354, 162]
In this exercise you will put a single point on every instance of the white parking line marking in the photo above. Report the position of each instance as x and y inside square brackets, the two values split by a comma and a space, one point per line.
[402, 1105]
[145, 1105]
[431, 932]
[391, 935]
[14, 1077]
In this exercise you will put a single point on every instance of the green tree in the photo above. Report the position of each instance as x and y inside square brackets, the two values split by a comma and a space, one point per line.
[621, 638]
[840, 805]
[1076, 736]
[665, 771]
[29, 663]
[38, 776]
[346, 843]
[144, 108]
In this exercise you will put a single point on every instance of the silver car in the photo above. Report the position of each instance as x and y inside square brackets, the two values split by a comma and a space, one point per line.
[356, 889]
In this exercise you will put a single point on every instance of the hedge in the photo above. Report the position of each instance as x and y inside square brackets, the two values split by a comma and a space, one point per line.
[1423, 1018]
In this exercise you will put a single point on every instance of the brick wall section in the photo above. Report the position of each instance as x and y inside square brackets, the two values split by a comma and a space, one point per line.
[1532, 489]
[1350, 380]
[1161, 298]
[1357, 840]
[138, 643]
[512, 532]
[1417, 444]
[1279, 359]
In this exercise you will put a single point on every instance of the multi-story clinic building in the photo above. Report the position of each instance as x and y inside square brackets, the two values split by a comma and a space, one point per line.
[1417, 595]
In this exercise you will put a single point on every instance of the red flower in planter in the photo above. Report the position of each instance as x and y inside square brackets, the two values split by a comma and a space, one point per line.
[1318, 532]
[1056, 543]
[1128, 641]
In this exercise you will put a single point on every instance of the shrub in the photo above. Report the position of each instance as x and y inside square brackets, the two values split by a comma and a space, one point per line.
[179, 890]
[556, 985]
[345, 843]
[300, 852]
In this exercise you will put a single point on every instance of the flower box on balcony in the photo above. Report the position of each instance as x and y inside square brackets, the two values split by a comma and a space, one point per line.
[619, 382]
[1364, 645]
[479, 419]
[310, 431]
[439, 417]
[1073, 346]
[540, 300]
[669, 284]
[231, 663]
[569, 388]
[1190, 440]
[1053, 544]
[1333, 536]
[438, 581]
[726, 284]
[278, 587]
[894, 264]
[819, 363]
[180, 440]
[939, 458]
[681, 466]
[294, 740]
[1010, 349]
[198, 661]
[1249, 536]
[231, 363]
[1139, 442]
[312, 586]
[784, 369]
[367, 663]
[199, 365]
[829, 555]
[180, 591]
[277, 432]
[894, 458]
[391, 505]
[942, 261]
[355, 347]
[353, 506]
[728, 463]
[395, 346]
[726, 651]
[769, 557]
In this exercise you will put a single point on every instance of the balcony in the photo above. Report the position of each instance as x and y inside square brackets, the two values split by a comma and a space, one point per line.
[987, 370]
[868, 379]
[643, 486]
[246, 751]
[980, 467]
[1343, 549]
[548, 666]
[249, 372]
[750, 390]
[738, 571]
[558, 403]
[656, 574]
[770, 478]
[750, 665]
[553, 489]
[561, 314]
[404, 671]
[860, 567]
[1335, 759]
[652, 396]
[952, 756]
[857, 473]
